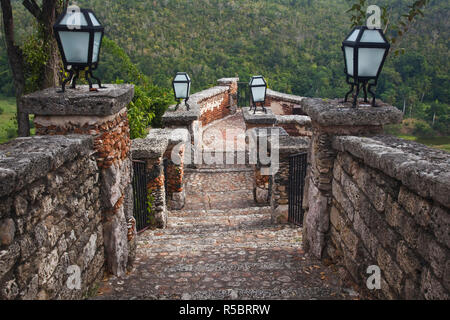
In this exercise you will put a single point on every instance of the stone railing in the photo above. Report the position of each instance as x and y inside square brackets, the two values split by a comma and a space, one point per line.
[374, 200]
[205, 106]
[284, 104]
[163, 152]
[50, 218]
[67, 201]
[283, 110]
[391, 208]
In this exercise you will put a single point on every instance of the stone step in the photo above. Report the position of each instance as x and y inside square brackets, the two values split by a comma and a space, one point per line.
[236, 292]
[227, 212]
[197, 200]
[210, 240]
[219, 222]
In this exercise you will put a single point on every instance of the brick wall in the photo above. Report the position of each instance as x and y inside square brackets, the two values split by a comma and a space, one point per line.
[215, 108]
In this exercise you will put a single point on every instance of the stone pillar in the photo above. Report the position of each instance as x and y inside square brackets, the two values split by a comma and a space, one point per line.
[279, 181]
[233, 84]
[102, 115]
[331, 118]
[151, 150]
[174, 163]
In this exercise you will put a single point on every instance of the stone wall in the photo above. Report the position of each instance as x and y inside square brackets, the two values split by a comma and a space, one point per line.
[50, 218]
[102, 115]
[205, 106]
[163, 151]
[390, 208]
[284, 104]
[279, 180]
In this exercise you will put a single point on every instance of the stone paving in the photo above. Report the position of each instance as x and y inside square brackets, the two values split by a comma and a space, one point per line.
[221, 246]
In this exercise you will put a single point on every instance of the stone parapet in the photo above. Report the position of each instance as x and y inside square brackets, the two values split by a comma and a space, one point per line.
[205, 106]
[258, 119]
[79, 101]
[330, 118]
[284, 104]
[337, 115]
[103, 115]
[424, 170]
[295, 125]
[51, 227]
[390, 208]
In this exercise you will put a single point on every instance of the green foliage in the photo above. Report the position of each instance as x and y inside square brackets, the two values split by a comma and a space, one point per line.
[35, 58]
[295, 44]
[149, 102]
[423, 129]
[151, 220]
[1, 110]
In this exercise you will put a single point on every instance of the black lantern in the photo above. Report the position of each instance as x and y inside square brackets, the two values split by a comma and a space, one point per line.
[365, 51]
[79, 35]
[258, 89]
[182, 87]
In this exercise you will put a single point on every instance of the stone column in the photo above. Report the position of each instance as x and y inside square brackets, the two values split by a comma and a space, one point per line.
[331, 118]
[279, 181]
[151, 150]
[233, 84]
[102, 115]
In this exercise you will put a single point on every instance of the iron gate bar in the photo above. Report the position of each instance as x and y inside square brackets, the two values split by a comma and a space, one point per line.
[243, 94]
[297, 174]
[140, 195]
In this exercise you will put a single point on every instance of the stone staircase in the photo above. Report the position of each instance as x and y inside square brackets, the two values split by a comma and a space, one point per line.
[221, 246]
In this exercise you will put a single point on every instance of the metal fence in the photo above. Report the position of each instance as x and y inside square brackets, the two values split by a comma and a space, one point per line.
[141, 213]
[297, 175]
[243, 94]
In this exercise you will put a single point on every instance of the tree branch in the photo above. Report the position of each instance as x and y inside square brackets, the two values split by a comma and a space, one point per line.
[33, 7]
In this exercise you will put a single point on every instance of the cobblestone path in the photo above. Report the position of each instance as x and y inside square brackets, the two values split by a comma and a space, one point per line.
[223, 247]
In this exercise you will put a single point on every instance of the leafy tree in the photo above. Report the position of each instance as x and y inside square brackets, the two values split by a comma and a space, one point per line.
[36, 61]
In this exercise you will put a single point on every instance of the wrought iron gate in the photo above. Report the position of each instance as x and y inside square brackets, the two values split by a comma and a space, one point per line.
[140, 195]
[297, 174]
[243, 94]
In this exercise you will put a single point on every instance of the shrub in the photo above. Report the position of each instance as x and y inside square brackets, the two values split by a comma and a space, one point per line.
[11, 133]
[1, 110]
[423, 129]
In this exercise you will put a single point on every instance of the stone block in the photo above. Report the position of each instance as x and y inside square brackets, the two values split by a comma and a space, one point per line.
[317, 221]
[437, 257]
[8, 258]
[440, 225]
[412, 290]
[7, 232]
[409, 261]
[10, 290]
[261, 195]
[419, 208]
[280, 215]
[115, 241]
[431, 288]
[79, 101]
[390, 270]
[177, 200]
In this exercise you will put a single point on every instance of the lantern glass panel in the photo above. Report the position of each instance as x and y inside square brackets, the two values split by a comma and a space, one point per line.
[372, 36]
[96, 48]
[369, 61]
[181, 90]
[75, 45]
[258, 82]
[349, 59]
[353, 36]
[259, 94]
[74, 19]
[94, 20]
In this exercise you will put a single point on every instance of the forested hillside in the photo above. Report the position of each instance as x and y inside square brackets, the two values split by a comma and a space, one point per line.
[295, 44]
